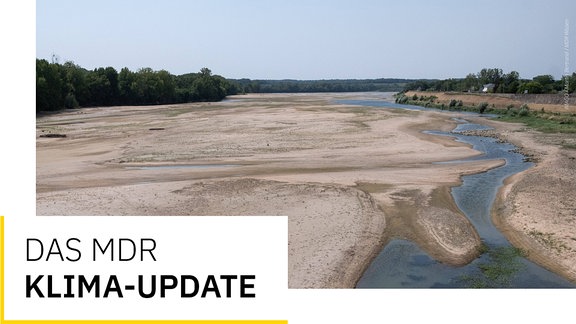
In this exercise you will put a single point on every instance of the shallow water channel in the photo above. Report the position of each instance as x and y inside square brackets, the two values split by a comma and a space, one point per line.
[402, 264]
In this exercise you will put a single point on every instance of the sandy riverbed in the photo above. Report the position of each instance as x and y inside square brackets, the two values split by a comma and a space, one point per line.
[536, 209]
[349, 178]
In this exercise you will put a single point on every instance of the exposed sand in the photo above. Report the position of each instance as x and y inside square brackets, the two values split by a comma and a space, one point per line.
[536, 209]
[349, 178]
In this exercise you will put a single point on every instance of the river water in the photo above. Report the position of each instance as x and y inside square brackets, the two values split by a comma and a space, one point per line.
[402, 264]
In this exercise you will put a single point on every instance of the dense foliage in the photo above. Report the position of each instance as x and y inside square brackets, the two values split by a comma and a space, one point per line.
[502, 83]
[69, 86]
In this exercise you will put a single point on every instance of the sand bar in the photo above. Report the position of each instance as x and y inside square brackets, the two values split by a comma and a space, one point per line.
[349, 178]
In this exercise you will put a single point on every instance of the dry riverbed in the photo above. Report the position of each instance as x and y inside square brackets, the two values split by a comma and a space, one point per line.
[349, 178]
[536, 209]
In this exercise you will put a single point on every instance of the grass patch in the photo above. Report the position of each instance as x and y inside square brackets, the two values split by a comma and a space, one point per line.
[549, 241]
[498, 271]
[541, 123]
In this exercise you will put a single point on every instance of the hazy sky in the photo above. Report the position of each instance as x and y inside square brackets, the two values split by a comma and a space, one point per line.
[315, 39]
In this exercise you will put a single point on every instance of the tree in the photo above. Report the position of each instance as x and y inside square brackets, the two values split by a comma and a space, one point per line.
[568, 83]
[145, 87]
[205, 72]
[208, 87]
[470, 83]
[50, 86]
[125, 80]
[531, 87]
[103, 84]
[69, 85]
[419, 85]
[77, 92]
[493, 76]
[510, 82]
[546, 81]
[166, 86]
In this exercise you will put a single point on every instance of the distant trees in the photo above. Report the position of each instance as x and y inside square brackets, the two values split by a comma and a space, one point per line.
[68, 85]
[471, 83]
[346, 85]
[510, 82]
[491, 76]
[209, 87]
[568, 83]
[531, 87]
[503, 83]
[147, 86]
[103, 87]
[50, 86]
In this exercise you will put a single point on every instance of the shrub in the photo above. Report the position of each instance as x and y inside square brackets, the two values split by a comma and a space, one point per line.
[482, 107]
[455, 103]
[524, 110]
[402, 99]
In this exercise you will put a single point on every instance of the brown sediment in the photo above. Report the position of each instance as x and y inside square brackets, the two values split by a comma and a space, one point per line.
[349, 178]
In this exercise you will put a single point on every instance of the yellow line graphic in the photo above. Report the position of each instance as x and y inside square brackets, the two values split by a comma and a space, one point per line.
[1, 269]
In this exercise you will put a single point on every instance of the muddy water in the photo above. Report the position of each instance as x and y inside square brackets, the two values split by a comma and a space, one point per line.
[402, 264]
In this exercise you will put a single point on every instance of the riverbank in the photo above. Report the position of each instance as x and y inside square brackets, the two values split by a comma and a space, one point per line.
[548, 102]
[536, 209]
[349, 178]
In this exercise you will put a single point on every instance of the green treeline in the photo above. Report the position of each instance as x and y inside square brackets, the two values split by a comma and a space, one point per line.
[499, 83]
[68, 85]
[297, 86]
